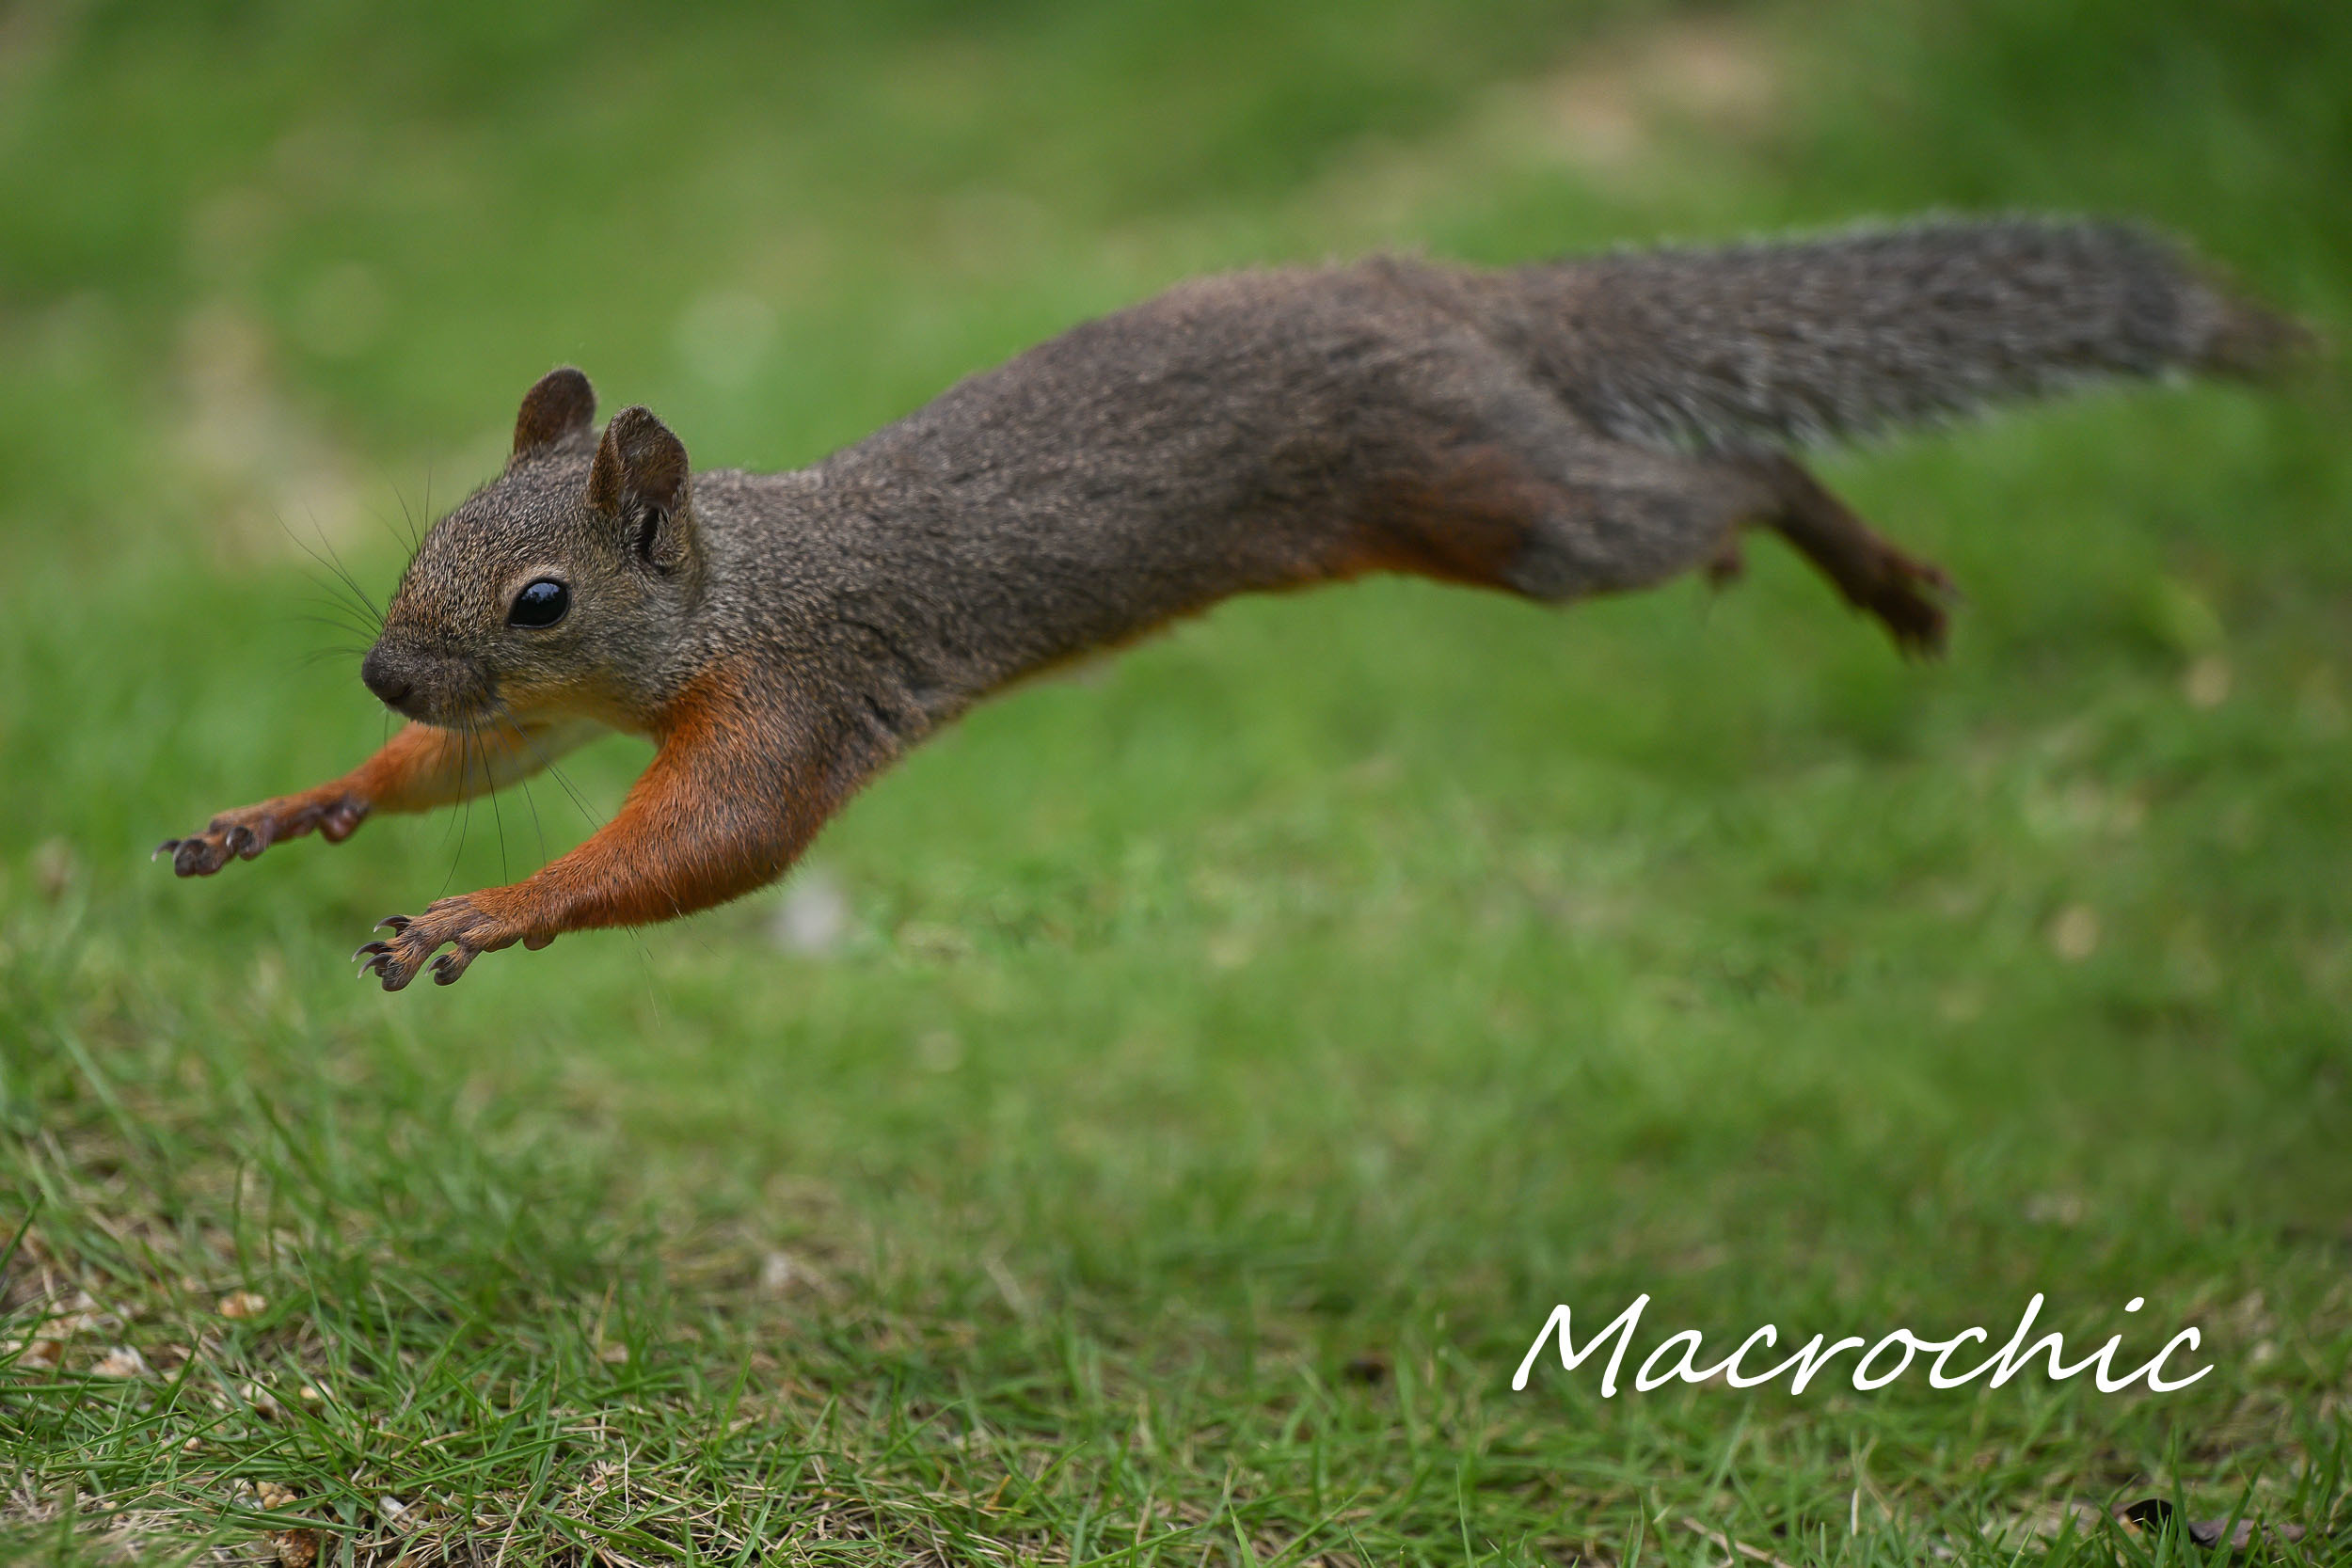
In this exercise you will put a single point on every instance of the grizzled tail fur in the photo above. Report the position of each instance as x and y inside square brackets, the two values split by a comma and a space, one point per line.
[1756, 347]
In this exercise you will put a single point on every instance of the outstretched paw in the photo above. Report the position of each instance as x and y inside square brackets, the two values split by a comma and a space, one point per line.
[243, 834]
[457, 924]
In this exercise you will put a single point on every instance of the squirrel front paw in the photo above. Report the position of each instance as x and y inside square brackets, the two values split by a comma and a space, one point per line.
[459, 924]
[243, 834]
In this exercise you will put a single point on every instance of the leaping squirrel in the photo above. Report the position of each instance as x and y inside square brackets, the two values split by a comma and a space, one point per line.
[1557, 430]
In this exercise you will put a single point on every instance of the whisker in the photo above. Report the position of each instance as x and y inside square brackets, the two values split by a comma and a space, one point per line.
[344, 571]
[404, 535]
[333, 623]
[328, 598]
[450, 826]
[490, 788]
[333, 562]
[463, 820]
[537, 831]
[548, 763]
[587, 812]
[332, 617]
[408, 517]
[405, 543]
[332, 595]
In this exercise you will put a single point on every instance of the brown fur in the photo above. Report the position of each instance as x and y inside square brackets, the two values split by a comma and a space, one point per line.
[1555, 432]
[1468, 518]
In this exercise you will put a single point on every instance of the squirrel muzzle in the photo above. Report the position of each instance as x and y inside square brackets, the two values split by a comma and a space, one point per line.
[431, 683]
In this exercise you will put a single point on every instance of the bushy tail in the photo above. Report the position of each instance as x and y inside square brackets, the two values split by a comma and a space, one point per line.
[1766, 344]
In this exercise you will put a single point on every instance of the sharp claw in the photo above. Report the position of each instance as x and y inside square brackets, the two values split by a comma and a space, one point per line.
[367, 948]
[399, 923]
[166, 847]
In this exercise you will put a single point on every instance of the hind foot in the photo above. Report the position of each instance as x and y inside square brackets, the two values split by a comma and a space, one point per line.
[1906, 594]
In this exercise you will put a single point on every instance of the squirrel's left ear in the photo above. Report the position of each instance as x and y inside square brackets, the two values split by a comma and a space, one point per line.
[640, 482]
[559, 406]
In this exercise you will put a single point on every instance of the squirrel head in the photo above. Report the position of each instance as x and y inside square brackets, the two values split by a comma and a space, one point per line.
[563, 587]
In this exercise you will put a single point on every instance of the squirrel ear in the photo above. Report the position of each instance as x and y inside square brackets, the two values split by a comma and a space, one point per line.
[559, 406]
[641, 480]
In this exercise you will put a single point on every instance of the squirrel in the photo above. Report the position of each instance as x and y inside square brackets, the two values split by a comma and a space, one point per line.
[1567, 428]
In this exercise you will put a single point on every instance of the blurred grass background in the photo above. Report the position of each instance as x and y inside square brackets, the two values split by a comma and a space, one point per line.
[1209, 1072]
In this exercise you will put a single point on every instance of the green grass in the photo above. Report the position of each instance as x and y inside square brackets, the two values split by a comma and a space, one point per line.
[1228, 1061]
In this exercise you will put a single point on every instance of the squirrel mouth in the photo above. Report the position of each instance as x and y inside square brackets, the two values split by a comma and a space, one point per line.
[469, 712]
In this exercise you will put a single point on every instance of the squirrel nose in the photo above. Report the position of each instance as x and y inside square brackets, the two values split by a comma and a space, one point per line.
[391, 686]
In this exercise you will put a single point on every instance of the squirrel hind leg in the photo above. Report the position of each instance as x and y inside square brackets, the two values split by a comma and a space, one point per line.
[1556, 523]
[1614, 519]
[1559, 514]
[1597, 517]
[1906, 594]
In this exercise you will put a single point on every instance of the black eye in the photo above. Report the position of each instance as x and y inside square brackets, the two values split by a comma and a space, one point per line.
[541, 604]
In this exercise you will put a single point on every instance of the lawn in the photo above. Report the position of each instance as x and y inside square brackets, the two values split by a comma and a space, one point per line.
[1157, 1121]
